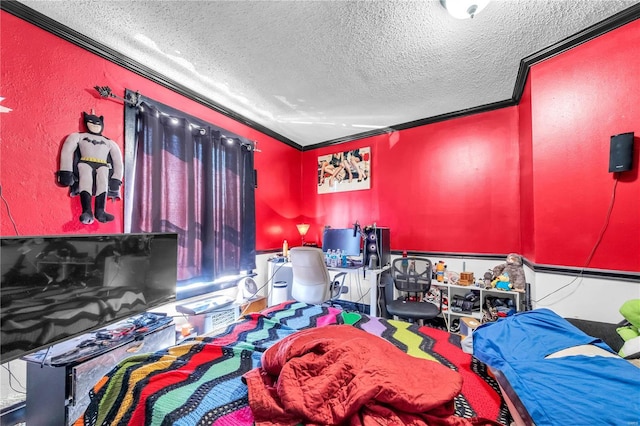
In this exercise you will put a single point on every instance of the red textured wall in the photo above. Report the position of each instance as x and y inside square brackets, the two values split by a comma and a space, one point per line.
[579, 100]
[452, 186]
[48, 82]
[534, 179]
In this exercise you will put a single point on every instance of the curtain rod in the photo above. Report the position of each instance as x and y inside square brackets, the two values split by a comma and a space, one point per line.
[133, 100]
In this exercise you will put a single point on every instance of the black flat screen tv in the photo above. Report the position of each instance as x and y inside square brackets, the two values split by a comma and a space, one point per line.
[54, 288]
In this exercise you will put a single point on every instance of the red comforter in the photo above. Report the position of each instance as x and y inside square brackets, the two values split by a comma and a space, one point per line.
[342, 375]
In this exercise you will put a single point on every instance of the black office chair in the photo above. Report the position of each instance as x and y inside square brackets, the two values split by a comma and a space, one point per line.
[412, 278]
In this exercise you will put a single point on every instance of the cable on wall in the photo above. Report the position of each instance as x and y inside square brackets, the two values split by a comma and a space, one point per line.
[6, 204]
[593, 250]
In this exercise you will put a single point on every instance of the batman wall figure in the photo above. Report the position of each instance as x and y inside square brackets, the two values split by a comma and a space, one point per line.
[91, 165]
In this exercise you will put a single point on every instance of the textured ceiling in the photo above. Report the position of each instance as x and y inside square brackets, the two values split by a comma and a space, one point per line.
[317, 71]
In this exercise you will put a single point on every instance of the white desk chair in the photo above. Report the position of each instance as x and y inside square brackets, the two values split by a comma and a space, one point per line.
[311, 280]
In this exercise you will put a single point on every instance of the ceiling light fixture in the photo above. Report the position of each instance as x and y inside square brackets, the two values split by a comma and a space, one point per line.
[463, 9]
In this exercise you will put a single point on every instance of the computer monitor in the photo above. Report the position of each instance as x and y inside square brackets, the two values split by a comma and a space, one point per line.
[341, 239]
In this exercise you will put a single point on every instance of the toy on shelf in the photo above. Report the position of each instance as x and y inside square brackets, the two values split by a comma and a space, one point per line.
[502, 282]
[440, 270]
[487, 278]
[513, 270]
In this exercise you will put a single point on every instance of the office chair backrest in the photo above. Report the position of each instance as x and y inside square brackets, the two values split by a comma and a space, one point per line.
[311, 279]
[412, 274]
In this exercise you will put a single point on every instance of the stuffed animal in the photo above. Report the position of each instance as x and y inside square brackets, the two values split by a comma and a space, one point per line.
[91, 165]
[487, 278]
[514, 270]
[502, 282]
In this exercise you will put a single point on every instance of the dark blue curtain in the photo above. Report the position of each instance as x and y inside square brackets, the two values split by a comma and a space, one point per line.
[197, 180]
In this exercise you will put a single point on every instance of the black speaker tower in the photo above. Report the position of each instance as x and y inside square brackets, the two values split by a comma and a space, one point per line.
[376, 242]
[621, 153]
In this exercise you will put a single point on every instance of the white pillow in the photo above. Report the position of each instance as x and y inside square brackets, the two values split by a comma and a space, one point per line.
[630, 347]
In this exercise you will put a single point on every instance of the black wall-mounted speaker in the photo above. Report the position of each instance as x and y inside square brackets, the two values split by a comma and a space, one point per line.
[376, 242]
[621, 153]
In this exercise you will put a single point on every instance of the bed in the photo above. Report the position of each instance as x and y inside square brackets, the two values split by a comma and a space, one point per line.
[211, 380]
[552, 373]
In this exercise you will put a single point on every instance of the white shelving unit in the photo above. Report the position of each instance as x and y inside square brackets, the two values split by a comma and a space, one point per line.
[450, 290]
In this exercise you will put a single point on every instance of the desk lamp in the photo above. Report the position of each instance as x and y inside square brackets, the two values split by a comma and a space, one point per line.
[303, 228]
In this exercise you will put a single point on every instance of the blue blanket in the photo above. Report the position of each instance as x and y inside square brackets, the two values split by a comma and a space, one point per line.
[572, 390]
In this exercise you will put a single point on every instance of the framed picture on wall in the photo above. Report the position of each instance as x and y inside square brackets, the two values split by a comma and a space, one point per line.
[344, 171]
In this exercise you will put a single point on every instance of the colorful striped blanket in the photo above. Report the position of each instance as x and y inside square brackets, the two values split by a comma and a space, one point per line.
[199, 382]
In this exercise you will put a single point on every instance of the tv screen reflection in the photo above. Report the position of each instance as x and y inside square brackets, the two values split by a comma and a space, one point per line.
[54, 288]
